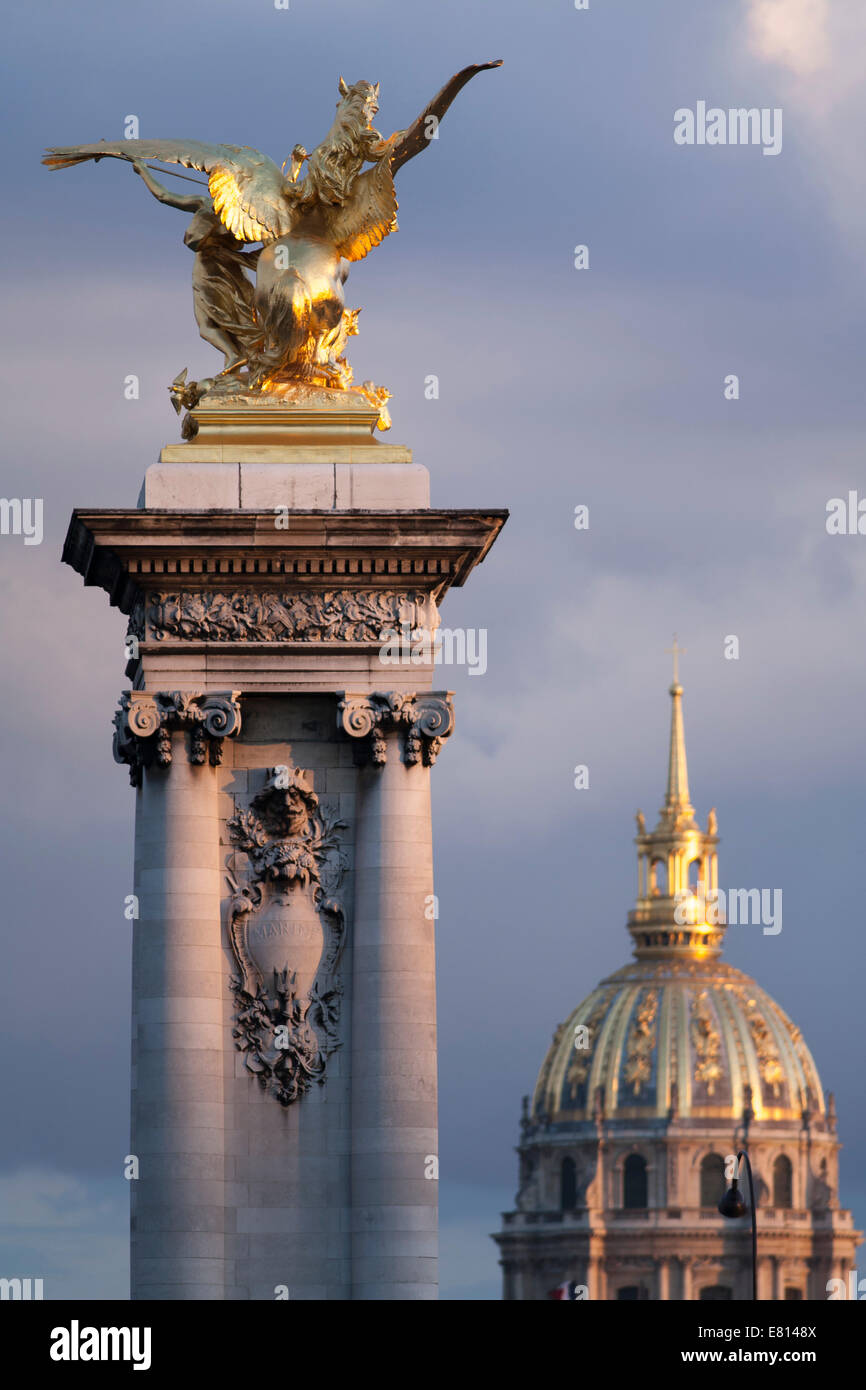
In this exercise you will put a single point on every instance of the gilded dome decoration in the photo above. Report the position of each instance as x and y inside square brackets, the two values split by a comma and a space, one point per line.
[720, 1034]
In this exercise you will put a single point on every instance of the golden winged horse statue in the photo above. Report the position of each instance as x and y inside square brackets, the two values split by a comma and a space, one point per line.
[313, 220]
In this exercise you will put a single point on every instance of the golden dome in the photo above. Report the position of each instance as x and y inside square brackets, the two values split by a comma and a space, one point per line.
[678, 1032]
[689, 1037]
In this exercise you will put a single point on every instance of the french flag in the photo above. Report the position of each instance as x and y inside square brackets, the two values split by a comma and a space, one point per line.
[567, 1291]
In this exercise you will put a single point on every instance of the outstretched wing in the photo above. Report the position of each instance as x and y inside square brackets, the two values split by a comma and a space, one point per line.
[417, 137]
[370, 212]
[250, 194]
[368, 215]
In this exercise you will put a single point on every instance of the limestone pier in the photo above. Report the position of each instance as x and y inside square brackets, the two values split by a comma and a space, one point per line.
[284, 1087]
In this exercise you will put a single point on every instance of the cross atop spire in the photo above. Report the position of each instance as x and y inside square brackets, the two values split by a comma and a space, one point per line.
[677, 794]
[676, 651]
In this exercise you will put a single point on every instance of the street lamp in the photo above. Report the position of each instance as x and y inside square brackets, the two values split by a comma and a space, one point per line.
[732, 1205]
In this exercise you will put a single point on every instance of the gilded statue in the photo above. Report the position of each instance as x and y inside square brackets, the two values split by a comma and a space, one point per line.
[313, 217]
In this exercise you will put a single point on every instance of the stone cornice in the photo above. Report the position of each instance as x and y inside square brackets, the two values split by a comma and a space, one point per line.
[655, 1243]
[144, 722]
[424, 719]
[131, 551]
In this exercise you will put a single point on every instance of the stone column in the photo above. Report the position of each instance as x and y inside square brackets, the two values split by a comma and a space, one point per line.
[686, 1264]
[765, 1278]
[394, 1182]
[261, 1173]
[178, 1199]
[664, 1290]
[833, 1269]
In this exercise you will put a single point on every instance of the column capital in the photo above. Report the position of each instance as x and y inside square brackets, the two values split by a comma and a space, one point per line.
[425, 719]
[145, 720]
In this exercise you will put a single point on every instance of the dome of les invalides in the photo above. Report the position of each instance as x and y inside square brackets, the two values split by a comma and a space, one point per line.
[664, 1071]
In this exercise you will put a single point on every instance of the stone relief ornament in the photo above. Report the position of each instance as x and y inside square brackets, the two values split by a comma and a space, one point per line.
[135, 626]
[425, 720]
[328, 615]
[527, 1196]
[313, 216]
[287, 931]
[821, 1194]
[144, 723]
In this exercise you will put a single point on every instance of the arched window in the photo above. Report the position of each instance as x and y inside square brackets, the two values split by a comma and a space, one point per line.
[634, 1182]
[658, 878]
[712, 1180]
[695, 874]
[568, 1185]
[783, 1182]
[714, 1293]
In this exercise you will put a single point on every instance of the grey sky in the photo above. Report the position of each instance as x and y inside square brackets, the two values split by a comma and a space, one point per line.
[557, 387]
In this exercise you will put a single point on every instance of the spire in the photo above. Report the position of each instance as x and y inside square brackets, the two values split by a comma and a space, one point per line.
[677, 805]
[677, 862]
[676, 797]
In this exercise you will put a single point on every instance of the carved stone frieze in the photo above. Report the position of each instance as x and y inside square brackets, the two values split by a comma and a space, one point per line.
[425, 720]
[287, 931]
[305, 615]
[144, 722]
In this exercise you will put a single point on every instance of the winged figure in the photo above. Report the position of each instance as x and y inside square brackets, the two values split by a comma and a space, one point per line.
[313, 219]
[222, 295]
